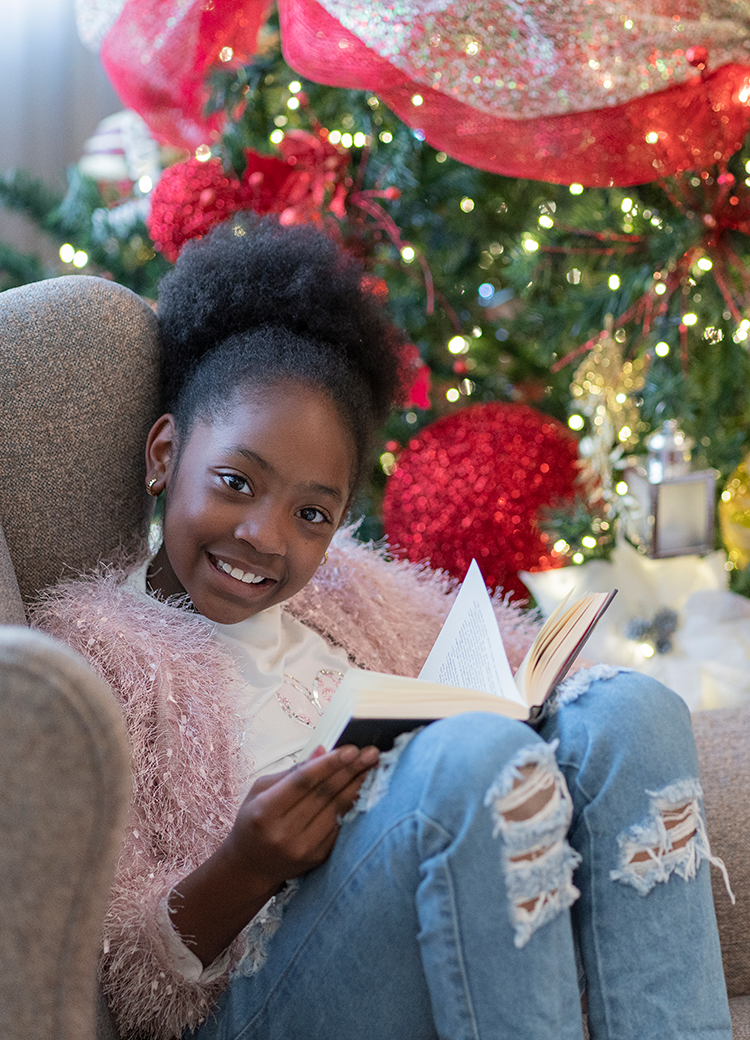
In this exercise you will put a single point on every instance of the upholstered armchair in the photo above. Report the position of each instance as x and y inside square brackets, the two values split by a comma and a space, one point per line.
[77, 397]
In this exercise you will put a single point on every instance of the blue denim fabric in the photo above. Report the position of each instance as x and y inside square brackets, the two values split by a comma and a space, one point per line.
[412, 929]
[651, 959]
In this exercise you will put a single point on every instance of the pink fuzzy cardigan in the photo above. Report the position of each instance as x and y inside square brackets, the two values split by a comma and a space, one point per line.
[177, 688]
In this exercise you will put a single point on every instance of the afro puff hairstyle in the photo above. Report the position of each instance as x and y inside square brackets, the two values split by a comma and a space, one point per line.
[256, 304]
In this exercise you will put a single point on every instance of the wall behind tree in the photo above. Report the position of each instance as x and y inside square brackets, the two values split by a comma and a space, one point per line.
[53, 93]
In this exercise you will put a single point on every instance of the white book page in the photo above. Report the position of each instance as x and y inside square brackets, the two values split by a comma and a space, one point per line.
[469, 650]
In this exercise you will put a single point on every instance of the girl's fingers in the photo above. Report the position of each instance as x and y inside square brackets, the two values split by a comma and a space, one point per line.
[292, 826]
[268, 780]
[317, 834]
[310, 785]
[322, 829]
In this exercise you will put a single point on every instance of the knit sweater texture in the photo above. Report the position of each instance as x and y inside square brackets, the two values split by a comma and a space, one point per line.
[178, 689]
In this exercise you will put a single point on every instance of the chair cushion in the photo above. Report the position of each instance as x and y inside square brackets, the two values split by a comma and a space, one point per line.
[740, 1011]
[78, 394]
[723, 739]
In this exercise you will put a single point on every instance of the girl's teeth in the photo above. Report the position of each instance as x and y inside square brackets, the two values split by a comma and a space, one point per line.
[235, 572]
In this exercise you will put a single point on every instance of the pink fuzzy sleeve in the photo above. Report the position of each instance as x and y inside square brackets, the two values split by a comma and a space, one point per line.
[387, 613]
[172, 685]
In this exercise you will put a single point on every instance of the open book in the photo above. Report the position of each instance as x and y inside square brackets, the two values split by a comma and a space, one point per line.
[467, 670]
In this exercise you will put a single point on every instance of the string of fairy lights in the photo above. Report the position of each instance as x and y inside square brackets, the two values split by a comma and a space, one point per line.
[603, 409]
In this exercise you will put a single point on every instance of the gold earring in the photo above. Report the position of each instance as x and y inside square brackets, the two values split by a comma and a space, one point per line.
[150, 487]
[324, 561]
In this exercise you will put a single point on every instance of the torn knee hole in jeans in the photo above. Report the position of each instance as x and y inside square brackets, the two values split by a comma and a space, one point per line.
[679, 827]
[523, 804]
[671, 840]
[532, 811]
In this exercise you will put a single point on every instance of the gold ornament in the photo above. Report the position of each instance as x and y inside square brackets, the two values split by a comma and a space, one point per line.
[734, 515]
[603, 389]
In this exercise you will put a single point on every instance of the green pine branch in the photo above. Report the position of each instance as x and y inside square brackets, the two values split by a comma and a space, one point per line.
[22, 193]
[17, 268]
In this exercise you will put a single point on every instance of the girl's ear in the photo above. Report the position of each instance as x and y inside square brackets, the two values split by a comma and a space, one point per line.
[161, 453]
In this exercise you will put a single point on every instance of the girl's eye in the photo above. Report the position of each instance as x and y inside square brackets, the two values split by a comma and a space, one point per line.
[236, 482]
[313, 515]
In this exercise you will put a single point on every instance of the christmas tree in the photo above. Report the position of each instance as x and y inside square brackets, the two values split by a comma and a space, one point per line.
[505, 286]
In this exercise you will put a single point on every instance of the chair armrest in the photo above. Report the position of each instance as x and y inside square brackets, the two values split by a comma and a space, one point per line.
[65, 783]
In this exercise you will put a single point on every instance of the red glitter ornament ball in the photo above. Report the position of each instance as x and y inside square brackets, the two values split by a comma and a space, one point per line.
[191, 198]
[471, 486]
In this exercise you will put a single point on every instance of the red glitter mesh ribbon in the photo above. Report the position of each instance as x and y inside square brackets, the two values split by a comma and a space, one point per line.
[159, 52]
[698, 122]
[554, 56]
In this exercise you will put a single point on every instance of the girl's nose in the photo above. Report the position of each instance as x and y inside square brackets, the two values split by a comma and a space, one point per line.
[263, 529]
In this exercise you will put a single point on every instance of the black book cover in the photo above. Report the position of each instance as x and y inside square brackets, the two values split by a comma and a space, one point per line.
[380, 732]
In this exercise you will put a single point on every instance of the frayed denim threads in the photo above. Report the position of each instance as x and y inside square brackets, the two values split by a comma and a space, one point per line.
[671, 840]
[537, 858]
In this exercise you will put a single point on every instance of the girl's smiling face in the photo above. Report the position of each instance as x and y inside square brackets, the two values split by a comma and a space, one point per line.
[252, 501]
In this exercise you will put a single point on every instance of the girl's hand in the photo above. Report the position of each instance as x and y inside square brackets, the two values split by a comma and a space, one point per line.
[288, 822]
[286, 826]
[268, 779]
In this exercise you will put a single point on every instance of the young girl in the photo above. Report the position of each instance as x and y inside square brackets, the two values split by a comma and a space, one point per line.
[462, 887]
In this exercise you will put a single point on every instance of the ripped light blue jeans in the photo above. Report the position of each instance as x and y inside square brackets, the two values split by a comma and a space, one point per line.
[493, 868]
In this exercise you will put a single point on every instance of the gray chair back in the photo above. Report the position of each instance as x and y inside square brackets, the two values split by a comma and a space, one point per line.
[78, 393]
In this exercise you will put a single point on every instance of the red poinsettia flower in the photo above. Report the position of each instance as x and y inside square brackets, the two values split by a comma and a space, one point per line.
[377, 286]
[265, 182]
[322, 180]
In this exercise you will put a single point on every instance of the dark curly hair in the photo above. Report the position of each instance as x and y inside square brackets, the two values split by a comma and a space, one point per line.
[258, 304]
